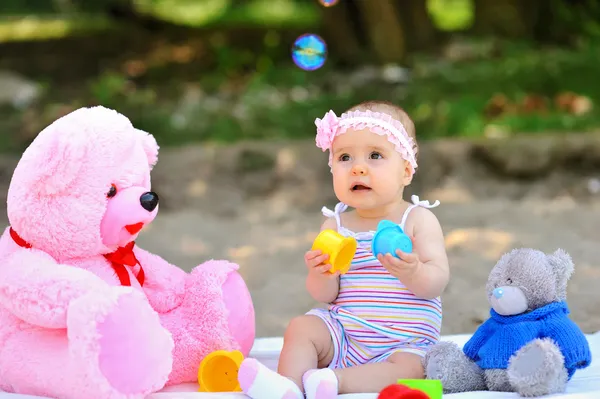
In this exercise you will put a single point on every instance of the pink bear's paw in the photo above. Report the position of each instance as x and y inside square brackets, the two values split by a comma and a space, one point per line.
[241, 319]
[238, 319]
[223, 267]
[204, 323]
[120, 342]
[135, 350]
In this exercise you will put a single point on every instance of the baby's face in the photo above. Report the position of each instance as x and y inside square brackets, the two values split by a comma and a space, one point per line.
[367, 170]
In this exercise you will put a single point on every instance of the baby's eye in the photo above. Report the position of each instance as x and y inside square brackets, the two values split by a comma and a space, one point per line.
[375, 155]
[112, 191]
[344, 157]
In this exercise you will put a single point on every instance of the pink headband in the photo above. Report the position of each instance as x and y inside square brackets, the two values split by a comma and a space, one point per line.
[331, 126]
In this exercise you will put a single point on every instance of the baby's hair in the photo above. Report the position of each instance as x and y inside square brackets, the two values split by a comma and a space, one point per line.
[395, 112]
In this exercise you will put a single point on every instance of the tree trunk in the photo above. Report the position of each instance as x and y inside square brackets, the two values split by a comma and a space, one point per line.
[420, 32]
[383, 26]
[341, 34]
[508, 18]
[562, 21]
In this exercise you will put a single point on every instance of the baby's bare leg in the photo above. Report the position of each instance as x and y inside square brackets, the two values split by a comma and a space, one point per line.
[373, 377]
[307, 344]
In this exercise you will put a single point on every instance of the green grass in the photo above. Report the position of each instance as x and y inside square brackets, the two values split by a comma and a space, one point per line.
[445, 99]
[275, 13]
[270, 98]
[185, 12]
[447, 14]
[194, 13]
[458, 93]
[44, 27]
[19, 24]
[451, 15]
[280, 101]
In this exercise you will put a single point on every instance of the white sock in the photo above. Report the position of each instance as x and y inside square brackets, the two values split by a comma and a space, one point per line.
[320, 384]
[259, 382]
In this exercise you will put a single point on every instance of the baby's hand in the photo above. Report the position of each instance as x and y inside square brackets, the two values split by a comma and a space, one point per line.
[315, 262]
[406, 266]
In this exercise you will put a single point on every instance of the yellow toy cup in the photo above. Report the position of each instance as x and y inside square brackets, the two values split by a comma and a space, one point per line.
[340, 249]
[219, 372]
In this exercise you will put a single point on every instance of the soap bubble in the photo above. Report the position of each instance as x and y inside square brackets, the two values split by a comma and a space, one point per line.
[309, 52]
[328, 3]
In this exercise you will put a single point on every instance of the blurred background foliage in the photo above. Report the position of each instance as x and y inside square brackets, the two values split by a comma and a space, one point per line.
[220, 70]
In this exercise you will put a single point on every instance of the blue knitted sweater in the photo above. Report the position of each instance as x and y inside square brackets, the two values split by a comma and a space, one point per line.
[499, 337]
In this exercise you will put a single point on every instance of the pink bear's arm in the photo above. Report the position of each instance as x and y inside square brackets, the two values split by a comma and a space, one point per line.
[38, 290]
[164, 284]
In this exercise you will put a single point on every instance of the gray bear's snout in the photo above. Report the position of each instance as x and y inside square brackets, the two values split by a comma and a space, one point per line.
[508, 301]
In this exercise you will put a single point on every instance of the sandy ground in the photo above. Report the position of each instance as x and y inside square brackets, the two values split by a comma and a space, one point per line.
[270, 253]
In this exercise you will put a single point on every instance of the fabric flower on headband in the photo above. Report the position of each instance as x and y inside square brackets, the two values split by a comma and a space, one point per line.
[377, 122]
[326, 130]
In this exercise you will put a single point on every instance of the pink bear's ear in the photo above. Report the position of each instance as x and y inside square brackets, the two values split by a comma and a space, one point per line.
[150, 147]
[55, 164]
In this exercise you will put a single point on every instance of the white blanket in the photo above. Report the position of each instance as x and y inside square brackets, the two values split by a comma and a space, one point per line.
[585, 384]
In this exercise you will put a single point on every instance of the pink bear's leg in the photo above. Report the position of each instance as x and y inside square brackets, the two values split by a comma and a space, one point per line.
[203, 323]
[9, 326]
[115, 348]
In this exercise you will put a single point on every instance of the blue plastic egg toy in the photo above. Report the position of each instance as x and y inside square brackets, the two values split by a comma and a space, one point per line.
[388, 238]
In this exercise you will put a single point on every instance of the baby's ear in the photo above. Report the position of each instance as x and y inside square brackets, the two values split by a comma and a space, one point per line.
[408, 173]
[150, 147]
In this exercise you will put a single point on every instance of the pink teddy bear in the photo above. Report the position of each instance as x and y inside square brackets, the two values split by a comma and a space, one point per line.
[83, 312]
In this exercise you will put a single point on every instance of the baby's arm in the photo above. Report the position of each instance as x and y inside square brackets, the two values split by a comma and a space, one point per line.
[433, 273]
[323, 287]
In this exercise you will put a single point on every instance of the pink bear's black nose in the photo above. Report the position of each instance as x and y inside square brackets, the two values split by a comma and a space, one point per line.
[149, 201]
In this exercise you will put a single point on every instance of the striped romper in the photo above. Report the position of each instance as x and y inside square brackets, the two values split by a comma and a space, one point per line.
[374, 314]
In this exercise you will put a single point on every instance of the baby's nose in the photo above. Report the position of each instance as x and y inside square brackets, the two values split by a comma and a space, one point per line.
[498, 293]
[359, 170]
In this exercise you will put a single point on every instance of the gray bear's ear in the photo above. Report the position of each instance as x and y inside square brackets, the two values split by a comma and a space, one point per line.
[563, 267]
[562, 264]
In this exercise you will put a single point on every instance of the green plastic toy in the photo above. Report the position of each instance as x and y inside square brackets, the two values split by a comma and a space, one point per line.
[432, 388]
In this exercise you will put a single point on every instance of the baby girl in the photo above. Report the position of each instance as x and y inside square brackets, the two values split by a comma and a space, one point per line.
[385, 312]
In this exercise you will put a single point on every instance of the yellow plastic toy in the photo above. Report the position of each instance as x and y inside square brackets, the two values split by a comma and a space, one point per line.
[340, 249]
[219, 372]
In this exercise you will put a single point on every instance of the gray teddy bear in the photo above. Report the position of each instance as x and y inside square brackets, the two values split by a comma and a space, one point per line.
[528, 345]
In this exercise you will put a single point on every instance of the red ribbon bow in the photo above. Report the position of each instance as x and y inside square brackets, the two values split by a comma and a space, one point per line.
[18, 240]
[122, 257]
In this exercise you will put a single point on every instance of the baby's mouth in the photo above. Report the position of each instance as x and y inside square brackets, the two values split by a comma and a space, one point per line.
[134, 228]
[360, 187]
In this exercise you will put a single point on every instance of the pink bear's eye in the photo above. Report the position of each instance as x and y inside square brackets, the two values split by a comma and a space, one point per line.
[112, 192]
